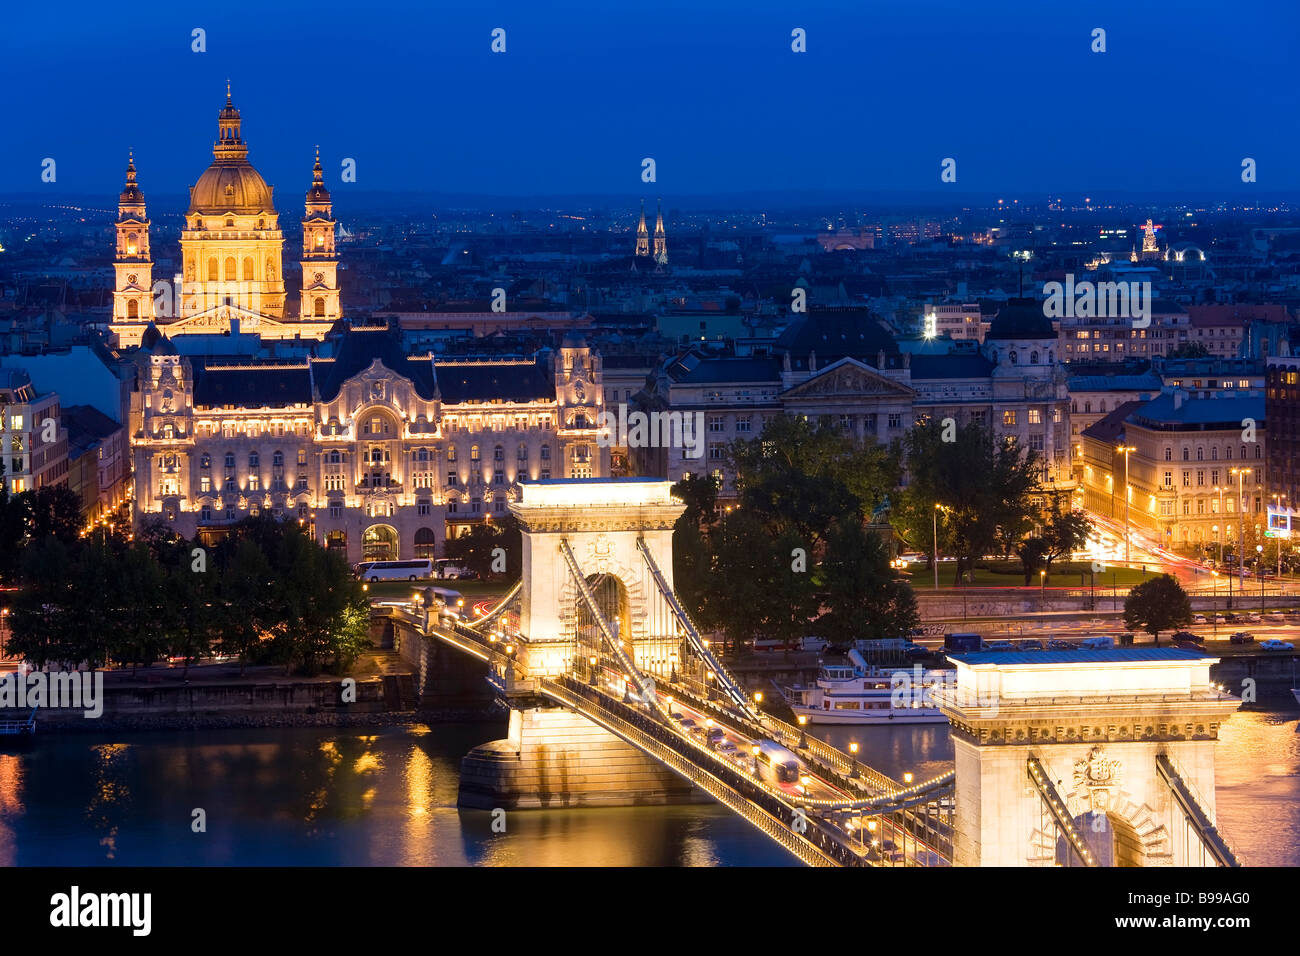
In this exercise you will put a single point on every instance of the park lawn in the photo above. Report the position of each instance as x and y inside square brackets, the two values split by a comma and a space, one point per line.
[1009, 575]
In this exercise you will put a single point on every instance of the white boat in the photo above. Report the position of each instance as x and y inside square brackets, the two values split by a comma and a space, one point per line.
[856, 693]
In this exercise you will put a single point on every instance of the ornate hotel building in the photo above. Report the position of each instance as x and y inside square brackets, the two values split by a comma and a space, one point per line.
[383, 454]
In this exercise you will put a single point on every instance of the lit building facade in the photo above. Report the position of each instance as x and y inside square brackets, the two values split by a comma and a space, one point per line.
[382, 454]
[33, 439]
[1195, 472]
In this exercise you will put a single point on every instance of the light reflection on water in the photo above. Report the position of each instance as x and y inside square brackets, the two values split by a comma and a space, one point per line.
[315, 796]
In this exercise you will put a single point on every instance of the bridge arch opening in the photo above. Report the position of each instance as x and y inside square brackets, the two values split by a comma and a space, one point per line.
[1112, 840]
[613, 605]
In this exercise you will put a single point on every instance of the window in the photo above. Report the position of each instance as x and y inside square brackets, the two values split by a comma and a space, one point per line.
[422, 507]
[715, 423]
[452, 479]
[1186, 453]
[336, 509]
[715, 452]
[1187, 478]
[230, 459]
[498, 453]
[498, 477]
[1035, 416]
[521, 454]
[1200, 453]
[498, 505]
[1169, 454]
[451, 453]
[869, 423]
[253, 460]
[742, 423]
[1200, 478]
[1214, 476]
[895, 419]
[205, 484]
[302, 457]
[546, 453]
[1169, 479]
[205, 513]
[1009, 417]
[474, 453]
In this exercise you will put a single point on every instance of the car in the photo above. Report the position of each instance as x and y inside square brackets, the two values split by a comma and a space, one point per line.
[726, 748]
[1254, 618]
[1184, 636]
[814, 644]
[1188, 644]
[1001, 646]
[1275, 618]
[1198, 618]
[1230, 618]
[1030, 645]
[687, 723]
[714, 734]
[1273, 644]
[698, 734]
[1059, 645]
[1097, 643]
[1241, 637]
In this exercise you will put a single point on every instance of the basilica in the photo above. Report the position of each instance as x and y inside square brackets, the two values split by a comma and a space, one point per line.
[380, 450]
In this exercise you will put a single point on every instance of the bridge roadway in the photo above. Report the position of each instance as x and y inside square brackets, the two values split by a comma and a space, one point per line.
[825, 819]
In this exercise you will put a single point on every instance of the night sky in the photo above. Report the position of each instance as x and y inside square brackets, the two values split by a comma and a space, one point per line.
[710, 89]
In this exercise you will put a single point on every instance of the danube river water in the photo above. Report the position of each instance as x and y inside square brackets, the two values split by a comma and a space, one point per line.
[318, 796]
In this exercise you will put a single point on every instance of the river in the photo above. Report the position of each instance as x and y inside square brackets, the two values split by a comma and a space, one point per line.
[365, 796]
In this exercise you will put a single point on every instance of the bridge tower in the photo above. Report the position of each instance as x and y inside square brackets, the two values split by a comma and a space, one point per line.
[612, 534]
[1090, 758]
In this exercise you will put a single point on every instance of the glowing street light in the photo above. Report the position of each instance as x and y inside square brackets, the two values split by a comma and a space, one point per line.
[803, 734]
[853, 749]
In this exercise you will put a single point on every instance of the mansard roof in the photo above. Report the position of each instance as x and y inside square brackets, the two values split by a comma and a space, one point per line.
[484, 381]
[271, 385]
[357, 350]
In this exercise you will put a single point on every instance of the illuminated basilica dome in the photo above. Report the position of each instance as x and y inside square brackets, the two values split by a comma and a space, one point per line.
[230, 184]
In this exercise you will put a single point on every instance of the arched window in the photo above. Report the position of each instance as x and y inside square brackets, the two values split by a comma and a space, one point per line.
[133, 309]
[1169, 454]
[213, 275]
[1258, 451]
[253, 460]
[1101, 405]
[1033, 357]
[270, 269]
[522, 454]
[277, 459]
[1243, 451]
[1200, 453]
[546, 453]
[422, 454]
[205, 461]
[1227, 452]
[425, 542]
[498, 453]
[1186, 454]
[473, 453]
[451, 453]
[1013, 357]
[335, 458]
[230, 269]
[230, 459]
[1214, 453]
[248, 268]
[320, 307]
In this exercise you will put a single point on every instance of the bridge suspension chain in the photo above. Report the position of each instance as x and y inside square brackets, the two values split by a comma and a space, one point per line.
[645, 687]
[1211, 839]
[1060, 813]
[725, 680]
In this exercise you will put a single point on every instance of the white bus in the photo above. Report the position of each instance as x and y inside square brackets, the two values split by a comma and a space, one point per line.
[784, 764]
[413, 570]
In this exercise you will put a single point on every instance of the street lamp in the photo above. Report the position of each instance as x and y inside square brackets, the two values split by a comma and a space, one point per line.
[754, 750]
[1259, 569]
[853, 749]
[1214, 604]
[1126, 450]
[803, 733]
[1042, 587]
[1241, 513]
[592, 661]
[934, 541]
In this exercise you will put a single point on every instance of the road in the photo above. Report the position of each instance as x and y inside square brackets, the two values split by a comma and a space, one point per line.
[895, 844]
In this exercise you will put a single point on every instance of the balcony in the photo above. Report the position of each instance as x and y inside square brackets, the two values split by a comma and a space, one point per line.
[375, 485]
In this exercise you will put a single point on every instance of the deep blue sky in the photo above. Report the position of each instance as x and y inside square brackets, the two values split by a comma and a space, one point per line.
[709, 88]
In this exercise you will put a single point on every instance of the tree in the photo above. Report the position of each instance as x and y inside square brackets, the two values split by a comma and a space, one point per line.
[700, 492]
[248, 606]
[1189, 350]
[53, 510]
[1064, 533]
[983, 484]
[864, 596]
[1031, 551]
[477, 550]
[1156, 605]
